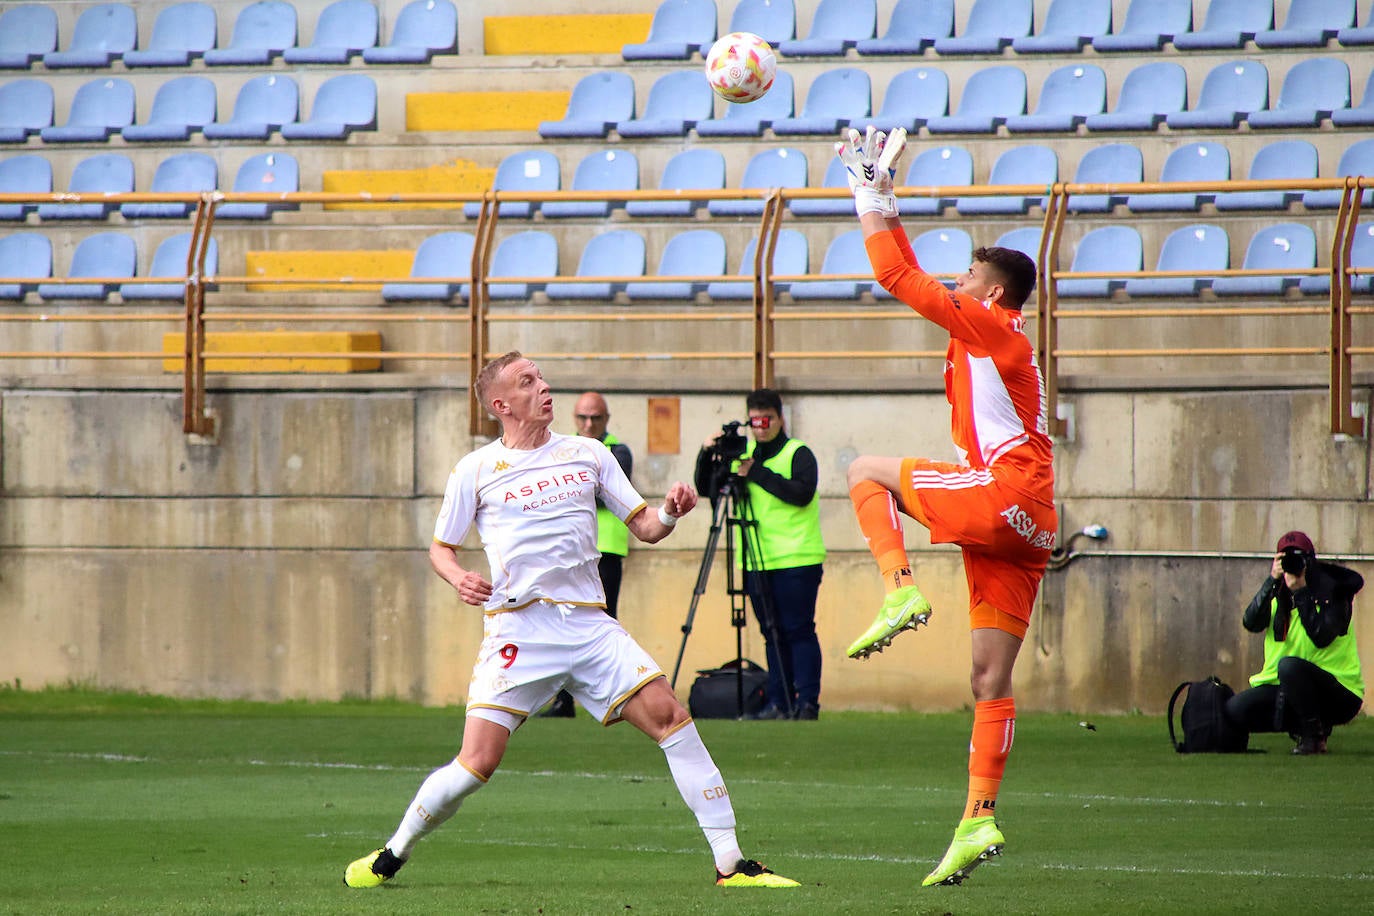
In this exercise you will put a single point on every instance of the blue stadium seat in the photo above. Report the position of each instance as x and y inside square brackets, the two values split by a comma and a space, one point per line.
[1230, 92]
[447, 254]
[1069, 26]
[181, 107]
[939, 251]
[1200, 249]
[181, 33]
[937, 167]
[605, 170]
[1358, 159]
[836, 26]
[1108, 248]
[102, 33]
[261, 32]
[23, 254]
[105, 254]
[791, 257]
[783, 167]
[103, 173]
[690, 170]
[1361, 255]
[694, 253]
[991, 26]
[1312, 92]
[618, 253]
[914, 26]
[1149, 94]
[1229, 24]
[1149, 24]
[525, 254]
[598, 102]
[1209, 162]
[990, 96]
[423, 29]
[911, 98]
[528, 170]
[343, 104]
[265, 103]
[677, 101]
[345, 28]
[836, 98]
[183, 172]
[1025, 239]
[169, 260]
[1353, 37]
[1286, 246]
[749, 120]
[267, 173]
[1284, 159]
[835, 177]
[100, 108]
[26, 107]
[1068, 97]
[775, 21]
[845, 254]
[1361, 115]
[23, 175]
[27, 32]
[1034, 165]
[1310, 24]
[1114, 163]
[679, 29]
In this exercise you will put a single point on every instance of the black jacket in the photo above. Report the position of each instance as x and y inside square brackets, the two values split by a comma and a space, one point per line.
[1324, 604]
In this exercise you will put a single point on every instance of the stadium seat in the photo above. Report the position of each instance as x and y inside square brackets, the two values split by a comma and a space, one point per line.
[1034, 165]
[773, 168]
[181, 33]
[273, 173]
[1310, 24]
[1025, 239]
[677, 101]
[1209, 162]
[835, 177]
[1068, 97]
[914, 26]
[345, 28]
[1114, 163]
[598, 102]
[423, 29]
[343, 104]
[689, 170]
[102, 33]
[27, 32]
[528, 170]
[181, 107]
[845, 254]
[1149, 94]
[448, 254]
[263, 105]
[1230, 92]
[169, 260]
[749, 120]
[791, 257]
[105, 255]
[1284, 159]
[836, 98]
[1149, 24]
[1199, 249]
[1069, 26]
[26, 107]
[939, 251]
[23, 175]
[605, 170]
[990, 96]
[1228, 24]
[679, 29]
[937, 167]
[991, 26]
[183, 172]
[1353, 37]
[1286, 246]
[1361, 255]
[775, 21]
[23, 254]
[1361, 115]
[836, 26]
[1312, 92]
[261, 32]
[618, 253]
[694, 253]
[1358, 159]
[103, 173]
[531, 253]
[1108, 248]
[100, 108]
[911, 98]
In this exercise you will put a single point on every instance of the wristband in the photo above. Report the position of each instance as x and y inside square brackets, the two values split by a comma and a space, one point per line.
[665, 518]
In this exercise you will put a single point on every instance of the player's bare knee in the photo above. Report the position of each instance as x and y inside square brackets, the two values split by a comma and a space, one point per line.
[858, 471]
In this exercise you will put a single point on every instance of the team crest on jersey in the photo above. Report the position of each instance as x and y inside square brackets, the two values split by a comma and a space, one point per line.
[501, 465]
[566, 453]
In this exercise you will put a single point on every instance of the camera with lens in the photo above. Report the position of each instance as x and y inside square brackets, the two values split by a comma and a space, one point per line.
[1293, 561]
[731, 443]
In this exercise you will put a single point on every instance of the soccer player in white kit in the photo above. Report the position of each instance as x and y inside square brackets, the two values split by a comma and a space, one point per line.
[532, 495]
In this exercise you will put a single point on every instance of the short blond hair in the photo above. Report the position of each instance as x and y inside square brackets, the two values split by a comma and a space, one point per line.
[487, 375]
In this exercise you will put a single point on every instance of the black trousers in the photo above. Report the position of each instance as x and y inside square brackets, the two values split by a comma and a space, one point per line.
[1306, 701]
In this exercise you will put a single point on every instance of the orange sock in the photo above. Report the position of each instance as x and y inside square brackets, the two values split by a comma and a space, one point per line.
[994, 727]
[881, 525]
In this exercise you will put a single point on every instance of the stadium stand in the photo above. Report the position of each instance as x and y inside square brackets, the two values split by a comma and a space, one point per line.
[447, 254]
[836, 98]
[915, 25]
[1199, 249]
[1310, 24]
[1357, 159]
[342, 104]
[532, 253]
[1361, 255]
[836, 26]
[23, 254]
[169, 260]
[102, 34]
[26, 107]
[835, 177]
[181, 107]
[690, 170]
[1025, 239]
[1114, 163]
[262, 31]
[1149, 94]
[103, 173]
[1286, 246]
[844, 255]
[991, 95]
[23, 175]
[618, 253]
[181, 33]
[1034, 165]
[105, 255]
[1312, 92]
[100, 108]
[1230, 92]
[775, 21]
[750, 120]
[1283, 159]
[27, 32]
[605, 170]
[784, 167]
[1069, 26]
[1106, 248]
[423, 29]
[273, 173]
[677, 101]
[184, 172]
[346, 28]
[791, 257]
[946, 250]
[1361, 115]
[680, 28]
[264, 104]
[695, 253]
[599, 101]
[1199, 162]
[1354, 37]
[1228, 24]
[992, 25]
[912, 98]
[1068, 97]
[1149, 25]
[938, 167]
[527, 170]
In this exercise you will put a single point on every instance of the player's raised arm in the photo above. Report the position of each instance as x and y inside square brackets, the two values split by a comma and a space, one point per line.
[653, 526]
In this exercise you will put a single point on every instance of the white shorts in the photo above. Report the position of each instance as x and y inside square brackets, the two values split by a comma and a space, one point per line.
[528, 655]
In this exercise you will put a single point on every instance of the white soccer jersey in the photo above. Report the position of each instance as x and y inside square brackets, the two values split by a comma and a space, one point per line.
[535, 511]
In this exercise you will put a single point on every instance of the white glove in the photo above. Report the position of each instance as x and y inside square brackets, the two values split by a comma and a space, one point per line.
[871, 167]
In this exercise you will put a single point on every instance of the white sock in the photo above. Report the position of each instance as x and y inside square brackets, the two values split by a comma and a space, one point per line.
[439, 797]
[698, 780]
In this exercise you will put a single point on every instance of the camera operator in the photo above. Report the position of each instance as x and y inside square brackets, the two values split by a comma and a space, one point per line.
[776, 477]
[1311, 677]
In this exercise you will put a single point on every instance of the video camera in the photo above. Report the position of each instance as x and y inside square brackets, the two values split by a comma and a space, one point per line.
[731, 443]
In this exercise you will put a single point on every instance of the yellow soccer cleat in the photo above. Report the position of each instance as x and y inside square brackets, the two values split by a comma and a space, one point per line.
[976, 840]
[903, 609]
[749, 873]
[373, 869]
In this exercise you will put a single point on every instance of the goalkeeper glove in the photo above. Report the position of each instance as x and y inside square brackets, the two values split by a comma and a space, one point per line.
[870, 166]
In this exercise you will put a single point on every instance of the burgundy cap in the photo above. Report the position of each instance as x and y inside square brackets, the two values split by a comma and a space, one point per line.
[1296, 539]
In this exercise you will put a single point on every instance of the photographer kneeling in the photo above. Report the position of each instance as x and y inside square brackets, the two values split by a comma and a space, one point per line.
[1311, 677]
[774, 481]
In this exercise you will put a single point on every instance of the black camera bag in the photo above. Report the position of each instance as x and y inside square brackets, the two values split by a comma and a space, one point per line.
[715, 695]
[1205, 726]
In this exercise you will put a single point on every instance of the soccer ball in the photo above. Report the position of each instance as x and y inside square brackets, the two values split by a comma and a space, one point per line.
[740, 67]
